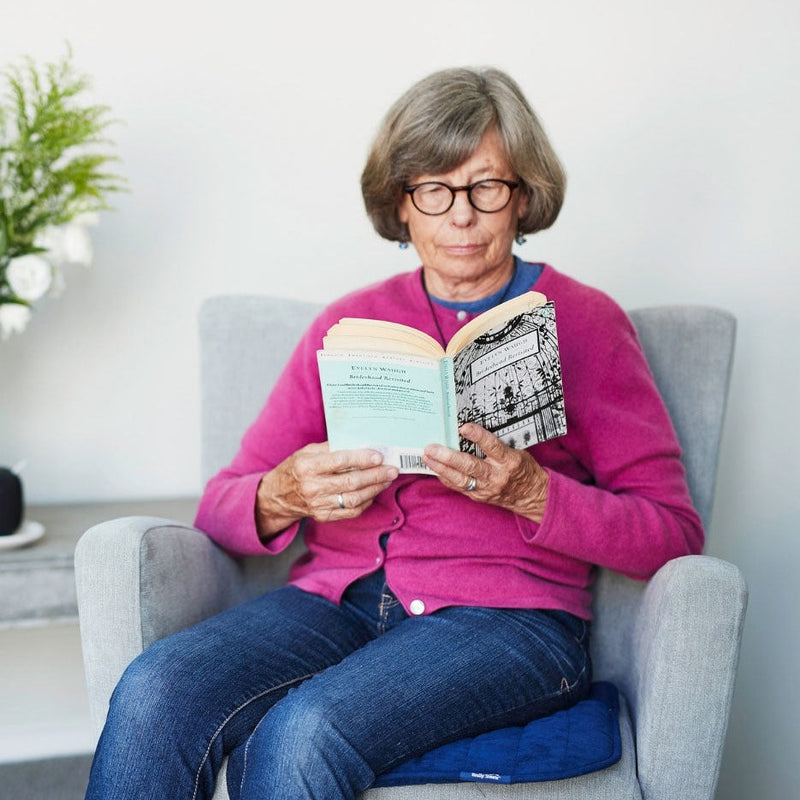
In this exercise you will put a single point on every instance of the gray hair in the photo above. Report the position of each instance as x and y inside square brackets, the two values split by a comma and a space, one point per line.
[438, 123]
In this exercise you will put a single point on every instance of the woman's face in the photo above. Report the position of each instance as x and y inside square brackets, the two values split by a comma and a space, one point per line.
[466, 253]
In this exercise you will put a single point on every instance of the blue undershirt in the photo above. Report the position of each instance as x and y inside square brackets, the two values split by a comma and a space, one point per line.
[525, 275]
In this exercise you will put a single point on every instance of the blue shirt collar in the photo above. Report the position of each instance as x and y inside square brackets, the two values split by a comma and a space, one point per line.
[525, 275]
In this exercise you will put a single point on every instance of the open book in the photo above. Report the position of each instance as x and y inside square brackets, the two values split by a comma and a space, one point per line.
[392, 388]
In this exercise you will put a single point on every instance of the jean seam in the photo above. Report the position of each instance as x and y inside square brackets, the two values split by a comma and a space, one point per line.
[571, 686]
[231, 716]
[387, 602]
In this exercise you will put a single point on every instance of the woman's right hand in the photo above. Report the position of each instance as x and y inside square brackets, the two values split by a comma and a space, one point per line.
[310, 482]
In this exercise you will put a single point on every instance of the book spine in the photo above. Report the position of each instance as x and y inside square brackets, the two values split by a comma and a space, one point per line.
[449, 401]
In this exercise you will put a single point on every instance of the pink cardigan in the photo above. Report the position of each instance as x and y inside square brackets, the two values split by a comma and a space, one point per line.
[617, 498]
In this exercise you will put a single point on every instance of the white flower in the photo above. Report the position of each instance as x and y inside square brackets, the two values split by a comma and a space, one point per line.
[59, 284]
[77, 245]
[13, 319]
[29, 277]
[49, 239]
[67, 244]
[87, 218]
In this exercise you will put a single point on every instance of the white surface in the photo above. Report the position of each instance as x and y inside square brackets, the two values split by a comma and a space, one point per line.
[245, 132]
[43, 705]
[27, 533]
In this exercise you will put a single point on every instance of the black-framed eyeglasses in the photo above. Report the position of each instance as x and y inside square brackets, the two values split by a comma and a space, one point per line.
[434, 198]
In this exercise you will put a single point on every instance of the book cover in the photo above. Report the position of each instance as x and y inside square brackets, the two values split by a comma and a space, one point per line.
[508, 380]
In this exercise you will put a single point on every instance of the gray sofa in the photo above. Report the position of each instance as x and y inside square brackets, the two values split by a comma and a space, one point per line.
[670, 645]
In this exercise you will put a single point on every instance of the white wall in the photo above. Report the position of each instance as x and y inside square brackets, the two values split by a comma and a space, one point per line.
[44, 708]
[245, 132]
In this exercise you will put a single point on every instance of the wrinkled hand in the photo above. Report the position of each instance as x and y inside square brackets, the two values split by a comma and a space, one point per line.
[507, 477]
[310, 482]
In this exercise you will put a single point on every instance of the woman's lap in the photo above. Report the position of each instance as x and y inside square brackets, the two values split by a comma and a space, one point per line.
[195, 695]
[393, 686]
[434, 679]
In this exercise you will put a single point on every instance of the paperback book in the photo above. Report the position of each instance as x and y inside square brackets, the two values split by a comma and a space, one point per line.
[392, 388]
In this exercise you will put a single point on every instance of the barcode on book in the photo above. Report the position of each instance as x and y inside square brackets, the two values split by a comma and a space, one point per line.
[411, 462]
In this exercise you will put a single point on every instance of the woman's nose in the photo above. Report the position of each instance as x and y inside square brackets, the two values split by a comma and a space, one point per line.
[462, 212]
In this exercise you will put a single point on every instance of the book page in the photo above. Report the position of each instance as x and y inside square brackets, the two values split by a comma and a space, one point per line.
[351, 344]
[378, 334]
[386, 402]
[509, 381]
[494, 317]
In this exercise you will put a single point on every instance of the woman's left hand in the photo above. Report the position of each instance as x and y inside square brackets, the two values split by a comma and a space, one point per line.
[508, 478]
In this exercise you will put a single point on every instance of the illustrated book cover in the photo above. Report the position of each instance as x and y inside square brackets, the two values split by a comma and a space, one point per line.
[392, 388]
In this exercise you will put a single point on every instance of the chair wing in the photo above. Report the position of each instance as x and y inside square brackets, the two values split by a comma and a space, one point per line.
[690, 351]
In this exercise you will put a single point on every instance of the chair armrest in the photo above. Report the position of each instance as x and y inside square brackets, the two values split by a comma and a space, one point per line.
[139, 579]
[685, 650]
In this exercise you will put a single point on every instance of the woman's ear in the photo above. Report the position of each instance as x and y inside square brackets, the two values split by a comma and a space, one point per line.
[524, 201]
[402, 209]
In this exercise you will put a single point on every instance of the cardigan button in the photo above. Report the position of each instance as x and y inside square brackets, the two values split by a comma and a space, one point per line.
[461, 316]
[416, 607]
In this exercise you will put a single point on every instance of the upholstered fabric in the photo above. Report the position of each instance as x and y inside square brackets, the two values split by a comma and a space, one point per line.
[670, 646]
[690, 350]
[244, 342]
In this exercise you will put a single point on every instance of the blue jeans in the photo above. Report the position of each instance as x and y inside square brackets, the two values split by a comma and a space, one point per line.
[313, 700]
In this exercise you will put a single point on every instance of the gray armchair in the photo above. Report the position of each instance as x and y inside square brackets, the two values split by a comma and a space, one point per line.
[670, 645]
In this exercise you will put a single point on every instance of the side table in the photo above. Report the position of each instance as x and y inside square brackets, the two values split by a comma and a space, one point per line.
[37, 582]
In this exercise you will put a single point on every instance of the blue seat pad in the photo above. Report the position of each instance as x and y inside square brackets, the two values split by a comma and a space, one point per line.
[567, 743]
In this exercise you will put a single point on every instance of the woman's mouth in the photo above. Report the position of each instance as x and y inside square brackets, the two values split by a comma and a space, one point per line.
[463, 249]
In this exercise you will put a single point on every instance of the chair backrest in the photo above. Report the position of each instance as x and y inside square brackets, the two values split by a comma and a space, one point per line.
[246, 340]
[690, 352]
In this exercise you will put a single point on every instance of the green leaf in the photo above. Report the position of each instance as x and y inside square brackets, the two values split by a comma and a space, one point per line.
[54, 154]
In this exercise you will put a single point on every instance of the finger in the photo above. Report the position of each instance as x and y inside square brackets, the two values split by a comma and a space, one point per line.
[320, 491]
[343, 460]
[453, 476]
[357, 500]
[439, 457]
[344, 505]
[319, 459]
[492, 447]
[357, 479]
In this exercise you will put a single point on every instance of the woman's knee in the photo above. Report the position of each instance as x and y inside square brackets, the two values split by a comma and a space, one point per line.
[297, 725]
[302, 741]
[151, 695]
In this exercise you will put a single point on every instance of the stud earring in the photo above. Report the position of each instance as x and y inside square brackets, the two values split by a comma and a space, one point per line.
[519, 239]
[404, 237]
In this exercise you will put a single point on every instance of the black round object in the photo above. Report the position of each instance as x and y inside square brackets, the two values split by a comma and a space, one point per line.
[10, 502]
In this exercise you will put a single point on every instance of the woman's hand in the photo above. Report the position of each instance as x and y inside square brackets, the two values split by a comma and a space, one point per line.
[507, 477]
[315, 482]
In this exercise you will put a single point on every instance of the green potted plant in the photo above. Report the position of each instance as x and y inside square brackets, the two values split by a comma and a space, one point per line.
[54, 180]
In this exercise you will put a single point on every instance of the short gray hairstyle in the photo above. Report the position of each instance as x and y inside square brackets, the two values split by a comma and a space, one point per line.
[438, 123]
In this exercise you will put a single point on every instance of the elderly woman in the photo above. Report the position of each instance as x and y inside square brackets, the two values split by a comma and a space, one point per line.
[426, 608]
